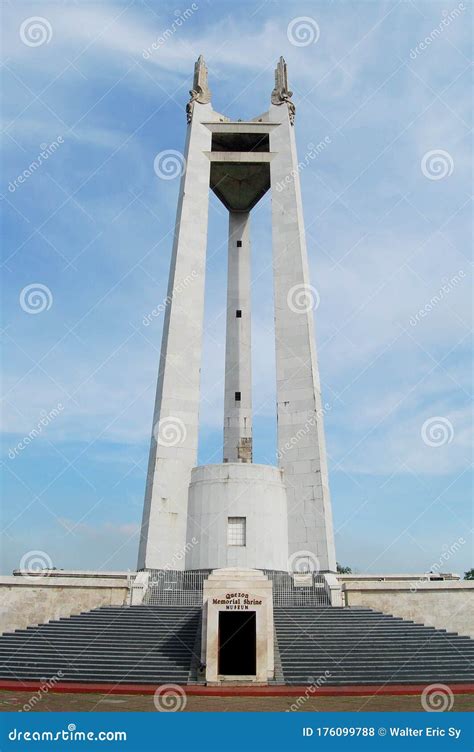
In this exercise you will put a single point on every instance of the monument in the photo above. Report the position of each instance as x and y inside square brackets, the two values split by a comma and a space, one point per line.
[236, 580]
[239, 514]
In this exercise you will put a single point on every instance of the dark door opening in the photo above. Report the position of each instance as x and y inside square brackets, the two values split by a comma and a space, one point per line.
[237, 643]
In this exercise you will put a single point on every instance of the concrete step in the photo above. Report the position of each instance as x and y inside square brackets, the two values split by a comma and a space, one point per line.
[103, 635]
[153, 645]
[176, 649]
[372, 647]
[324, 638]
[85, 671]
[74, 649]
[104, 641]
[105, 663]
[124, 616]
[375, 665]
[365, 653]
[304, 644]
[115, 679]
[376, 631]
[307, 669]
[124, 634]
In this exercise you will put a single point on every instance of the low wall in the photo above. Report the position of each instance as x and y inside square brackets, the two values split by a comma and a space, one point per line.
[447, 604]
[26, 601]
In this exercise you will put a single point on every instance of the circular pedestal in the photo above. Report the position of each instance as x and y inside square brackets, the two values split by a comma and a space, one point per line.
[253, 492]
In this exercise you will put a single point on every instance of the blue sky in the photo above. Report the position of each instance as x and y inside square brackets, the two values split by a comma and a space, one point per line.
[387, 211]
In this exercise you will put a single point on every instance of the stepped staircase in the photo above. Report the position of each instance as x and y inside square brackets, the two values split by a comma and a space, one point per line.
[161, 644]
[361, 646]
[137, 644]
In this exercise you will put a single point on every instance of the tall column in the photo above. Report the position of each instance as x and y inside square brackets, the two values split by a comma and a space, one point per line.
[301, 444]
[173, 450]
[238, 367]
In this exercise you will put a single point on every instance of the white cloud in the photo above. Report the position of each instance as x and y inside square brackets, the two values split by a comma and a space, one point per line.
[368, 299]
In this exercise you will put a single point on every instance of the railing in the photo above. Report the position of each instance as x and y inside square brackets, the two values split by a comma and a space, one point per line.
[171, 587]
[184, 588]
[298, 589]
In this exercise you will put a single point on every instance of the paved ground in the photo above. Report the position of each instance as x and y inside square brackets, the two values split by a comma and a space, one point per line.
[10, 701]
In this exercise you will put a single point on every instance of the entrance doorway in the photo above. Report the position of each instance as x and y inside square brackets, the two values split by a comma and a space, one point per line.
[237, 643]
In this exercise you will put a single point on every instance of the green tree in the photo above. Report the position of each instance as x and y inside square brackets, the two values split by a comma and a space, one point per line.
[343, 570]
[469, 575]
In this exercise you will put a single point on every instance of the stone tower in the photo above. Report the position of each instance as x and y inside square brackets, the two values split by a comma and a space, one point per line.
[238, 514]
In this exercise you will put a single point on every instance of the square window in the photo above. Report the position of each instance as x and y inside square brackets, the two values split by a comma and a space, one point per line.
[236, 531]
[238, 314]
[239, 244]
[237, 396]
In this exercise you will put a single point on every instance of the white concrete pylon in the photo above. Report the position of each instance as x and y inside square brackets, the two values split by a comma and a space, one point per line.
[301, 443]
[240, 161]
[238, 358]
[173, 450]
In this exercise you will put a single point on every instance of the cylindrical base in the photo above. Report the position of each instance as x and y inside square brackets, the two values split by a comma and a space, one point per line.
[256, 495]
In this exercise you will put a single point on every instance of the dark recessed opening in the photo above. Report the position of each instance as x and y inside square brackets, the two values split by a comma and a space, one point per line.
[238, 314]
[237, 396]
[240, 142]
[240, 185]
[237, 643]
[239, 244]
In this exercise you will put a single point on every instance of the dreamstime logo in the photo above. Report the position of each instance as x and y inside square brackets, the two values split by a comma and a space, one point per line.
[314, 685]
[303, 562]
[312, 152]
[448, 285]
[170, 698]
[34, 562]
[47, 150]
[178, 556]
[69, 734]
[303, 298]
[45, 420]
[45, 686]
[179, 20]
[303, 431]
[169, 164]
[178, 288]
[437, 567]
[437, 698]
[35, 31]
[437, 164]
[303, 31]
[437, 431]
[169, 432]
[449, 17]
[36, 298]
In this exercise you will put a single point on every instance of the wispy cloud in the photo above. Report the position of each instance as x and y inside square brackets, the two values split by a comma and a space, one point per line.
[95, 225]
